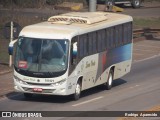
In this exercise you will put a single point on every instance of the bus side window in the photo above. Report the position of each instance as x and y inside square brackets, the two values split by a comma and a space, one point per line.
[125, 33]
[85, 43]
[116, 32]
[94, 36]
[129, 32]
[80, 47]
[90, 43]
[101, 40]
[74, 51]
[120, 35]
[83, 51]
[112, 37]
[108, 38]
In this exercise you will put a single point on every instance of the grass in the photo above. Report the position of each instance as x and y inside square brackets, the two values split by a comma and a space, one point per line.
[139, 23]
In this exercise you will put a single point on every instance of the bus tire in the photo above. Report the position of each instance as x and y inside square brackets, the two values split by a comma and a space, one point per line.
[27, 95]
[136, 3]
[110, 2]
[77, 93]
[108, 84]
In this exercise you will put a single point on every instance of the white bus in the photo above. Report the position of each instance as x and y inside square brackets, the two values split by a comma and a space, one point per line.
[72, 52]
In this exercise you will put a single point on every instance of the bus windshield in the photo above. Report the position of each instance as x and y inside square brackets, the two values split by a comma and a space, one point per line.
[41, 55]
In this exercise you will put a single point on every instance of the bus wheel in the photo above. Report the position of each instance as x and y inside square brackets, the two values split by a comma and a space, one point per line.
[28, 95]
[108, 84]
[77, 93]
[136, 3]
[109, 2]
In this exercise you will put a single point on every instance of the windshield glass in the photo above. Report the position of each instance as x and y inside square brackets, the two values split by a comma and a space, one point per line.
[41, 55]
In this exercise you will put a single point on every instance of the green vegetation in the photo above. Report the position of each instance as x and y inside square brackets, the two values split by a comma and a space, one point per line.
[21, 20]
[146, 23]
[35, 3]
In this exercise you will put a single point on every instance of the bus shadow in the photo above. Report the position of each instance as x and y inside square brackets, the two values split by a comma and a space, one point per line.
[119, 82]
[62, 99]
[101, 88]
[39, 98]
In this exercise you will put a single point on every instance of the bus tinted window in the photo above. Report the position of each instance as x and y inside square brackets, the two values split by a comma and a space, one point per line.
[90, 43]
[94, 37]
[85, 43]
[81, 47]
[108, 38]
[112, 37]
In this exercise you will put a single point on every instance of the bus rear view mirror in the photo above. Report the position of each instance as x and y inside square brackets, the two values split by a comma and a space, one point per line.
[11, 47]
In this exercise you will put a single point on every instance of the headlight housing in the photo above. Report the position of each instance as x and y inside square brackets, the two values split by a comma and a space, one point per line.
[59, 83]
[19, 80]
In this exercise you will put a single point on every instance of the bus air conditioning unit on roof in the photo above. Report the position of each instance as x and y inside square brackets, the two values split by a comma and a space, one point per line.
[77, 17]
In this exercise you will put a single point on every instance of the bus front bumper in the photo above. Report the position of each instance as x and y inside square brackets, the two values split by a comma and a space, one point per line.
[38, 89]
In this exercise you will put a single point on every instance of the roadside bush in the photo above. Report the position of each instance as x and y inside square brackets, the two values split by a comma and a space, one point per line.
[36, 3]
[30, 3]
[54, 2]
[24, 3]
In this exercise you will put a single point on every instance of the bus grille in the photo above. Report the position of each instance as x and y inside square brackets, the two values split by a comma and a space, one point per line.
[39, 84]
[43, 91]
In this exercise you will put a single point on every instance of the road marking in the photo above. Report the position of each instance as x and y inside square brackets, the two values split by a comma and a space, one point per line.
[135, 61]
[138, 53]
[153, 46]
[134, 86]
[88, 101]
[144, 50]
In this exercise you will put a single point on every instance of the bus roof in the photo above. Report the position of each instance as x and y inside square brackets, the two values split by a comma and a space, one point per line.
[66, 26]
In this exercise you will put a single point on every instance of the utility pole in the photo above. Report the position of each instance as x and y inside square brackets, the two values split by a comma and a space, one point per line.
[11, 35]
[92, 5]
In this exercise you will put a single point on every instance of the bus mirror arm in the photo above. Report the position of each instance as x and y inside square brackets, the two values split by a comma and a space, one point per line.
[11, 46]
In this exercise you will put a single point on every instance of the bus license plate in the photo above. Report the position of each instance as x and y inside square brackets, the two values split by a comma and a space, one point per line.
[37, 89]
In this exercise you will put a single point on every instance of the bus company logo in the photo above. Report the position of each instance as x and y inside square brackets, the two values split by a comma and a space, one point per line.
[49, 80]
[6, 114]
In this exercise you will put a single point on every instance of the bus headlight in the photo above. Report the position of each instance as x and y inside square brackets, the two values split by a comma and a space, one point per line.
[19, 80]
[59, 83]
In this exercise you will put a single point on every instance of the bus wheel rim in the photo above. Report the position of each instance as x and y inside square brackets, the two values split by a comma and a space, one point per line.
[137, 2]
[110, 80]
[78, 89]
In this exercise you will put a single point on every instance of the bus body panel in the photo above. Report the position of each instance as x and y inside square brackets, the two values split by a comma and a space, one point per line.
[95, 68]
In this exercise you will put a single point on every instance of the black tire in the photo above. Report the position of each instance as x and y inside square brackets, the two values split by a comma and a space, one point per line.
[136, 3]
[108, 84]
[77, 93]
[28, 95]
[110, 2]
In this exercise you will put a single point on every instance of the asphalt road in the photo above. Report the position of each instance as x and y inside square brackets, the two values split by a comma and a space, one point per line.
[138, 90]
